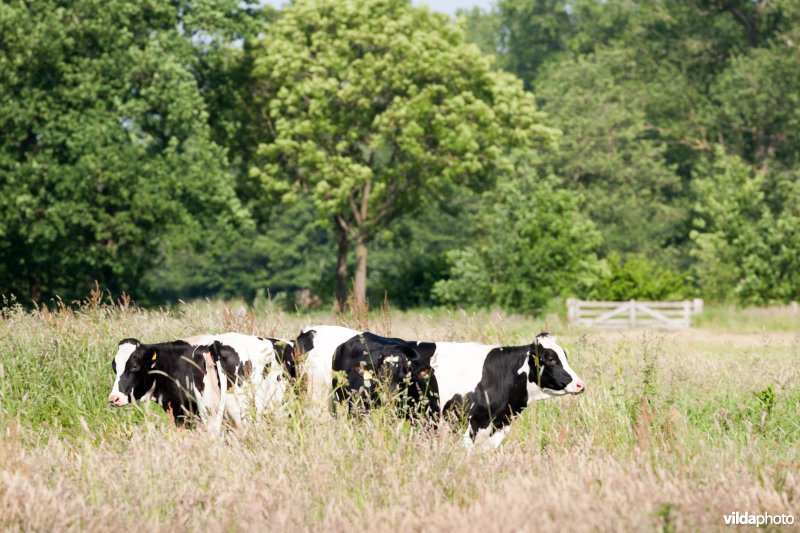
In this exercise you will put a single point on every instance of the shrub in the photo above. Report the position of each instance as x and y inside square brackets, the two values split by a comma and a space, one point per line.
[535, 245]
[639, 278]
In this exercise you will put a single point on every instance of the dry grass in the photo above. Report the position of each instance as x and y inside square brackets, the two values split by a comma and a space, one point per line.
[675, 431]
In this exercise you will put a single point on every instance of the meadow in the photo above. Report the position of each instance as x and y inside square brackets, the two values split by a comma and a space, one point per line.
[676, 429]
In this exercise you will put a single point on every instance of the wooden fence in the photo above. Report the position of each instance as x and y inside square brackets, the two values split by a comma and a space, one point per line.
[630, 314]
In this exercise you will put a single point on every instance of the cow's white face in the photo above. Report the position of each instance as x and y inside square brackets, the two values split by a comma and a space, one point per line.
[554, 377]
[126, 349]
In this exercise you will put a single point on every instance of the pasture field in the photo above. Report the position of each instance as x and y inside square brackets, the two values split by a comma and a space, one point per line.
[675, 431]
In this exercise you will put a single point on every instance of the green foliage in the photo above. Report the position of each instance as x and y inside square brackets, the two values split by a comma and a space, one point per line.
[481, 28]
[291, 254]
[409, 259]
[218, 147]
[646, 94]
[756, 114]
[610, 152]
[533, 245]
[385, 95]
[106, 152]
[225, 74]
[638, 278]
[469, 281]
[376, 108]
[747, 232]
[767, 399]
[531, 34]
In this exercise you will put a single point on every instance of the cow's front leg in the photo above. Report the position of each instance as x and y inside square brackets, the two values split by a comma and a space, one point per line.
[483, 436]
[494, 441]
[218, 412]
[480, 428]
[467, 440]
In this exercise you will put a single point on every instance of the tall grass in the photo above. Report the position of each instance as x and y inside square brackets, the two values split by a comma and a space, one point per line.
[674, 431]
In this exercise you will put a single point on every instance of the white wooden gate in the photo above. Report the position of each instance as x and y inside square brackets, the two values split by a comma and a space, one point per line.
[666, 315]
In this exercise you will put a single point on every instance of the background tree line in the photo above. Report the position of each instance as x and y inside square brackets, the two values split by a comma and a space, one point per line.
[545, 148]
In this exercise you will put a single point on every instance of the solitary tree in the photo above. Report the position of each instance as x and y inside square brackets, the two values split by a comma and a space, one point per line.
[375, 108]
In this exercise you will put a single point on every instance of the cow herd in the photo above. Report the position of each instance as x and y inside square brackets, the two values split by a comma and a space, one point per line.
[234, 377]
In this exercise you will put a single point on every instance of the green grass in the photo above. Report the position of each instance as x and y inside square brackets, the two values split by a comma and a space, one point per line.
[675, 430]
[749, 320]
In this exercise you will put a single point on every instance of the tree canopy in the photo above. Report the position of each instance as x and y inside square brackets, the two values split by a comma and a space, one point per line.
[510, 157]
[532, 244]
[376, 108]
[669, 111]
[106, 152]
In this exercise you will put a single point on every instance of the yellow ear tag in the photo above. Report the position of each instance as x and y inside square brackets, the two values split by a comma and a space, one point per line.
[155, 354]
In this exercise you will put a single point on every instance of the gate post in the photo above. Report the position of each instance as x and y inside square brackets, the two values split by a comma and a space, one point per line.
[571, 314]
[632, 314]
[687, 313]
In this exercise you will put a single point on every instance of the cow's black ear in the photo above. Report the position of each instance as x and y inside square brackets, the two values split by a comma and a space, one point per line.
[130, 340]
[216, 350]
[409, 354]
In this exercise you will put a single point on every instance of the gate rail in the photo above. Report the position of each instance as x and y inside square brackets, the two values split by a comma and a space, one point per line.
[633, 313]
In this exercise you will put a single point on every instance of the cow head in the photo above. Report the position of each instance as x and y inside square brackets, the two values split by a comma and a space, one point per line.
[398, 368]
[549, 372]
[285, 354]
[409, 371]
[303, 345]
[132, 365]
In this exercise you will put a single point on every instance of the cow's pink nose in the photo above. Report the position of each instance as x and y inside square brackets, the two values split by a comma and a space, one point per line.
[580, 386]
[114, 399]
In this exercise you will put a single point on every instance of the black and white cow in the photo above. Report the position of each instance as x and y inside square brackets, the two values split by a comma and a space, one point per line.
[210, 376]
[265, 388]
[491, 384]
[366, 361]
[494, 383]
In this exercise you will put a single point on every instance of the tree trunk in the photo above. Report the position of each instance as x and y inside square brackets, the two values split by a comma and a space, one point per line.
[360, 285]
[341, 267]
